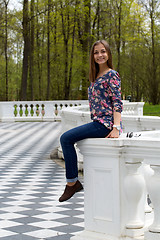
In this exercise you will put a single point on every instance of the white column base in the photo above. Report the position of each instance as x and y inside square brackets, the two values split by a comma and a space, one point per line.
[134, 233]
[152, 236]
[88, 235]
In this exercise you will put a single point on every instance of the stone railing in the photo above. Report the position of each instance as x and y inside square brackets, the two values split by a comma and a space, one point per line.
[50, 110]
[140, 123]
[35, 110]
[131, 122]
[118, 173]
[133, 108]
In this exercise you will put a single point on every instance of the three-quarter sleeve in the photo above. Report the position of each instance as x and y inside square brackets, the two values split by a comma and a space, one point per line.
[115, 92]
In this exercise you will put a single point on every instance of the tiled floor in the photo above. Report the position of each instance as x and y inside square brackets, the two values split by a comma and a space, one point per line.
[31, 183]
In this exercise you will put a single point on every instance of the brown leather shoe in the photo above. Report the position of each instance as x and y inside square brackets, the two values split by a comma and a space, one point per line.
[70, 191]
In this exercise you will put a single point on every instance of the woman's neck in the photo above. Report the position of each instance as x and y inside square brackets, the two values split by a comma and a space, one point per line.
[102, 70]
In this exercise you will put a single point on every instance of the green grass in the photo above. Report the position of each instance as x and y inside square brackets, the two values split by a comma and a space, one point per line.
[151, 110]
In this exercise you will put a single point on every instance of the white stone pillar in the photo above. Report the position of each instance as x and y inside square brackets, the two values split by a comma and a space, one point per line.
[7, 111]
[49, 109]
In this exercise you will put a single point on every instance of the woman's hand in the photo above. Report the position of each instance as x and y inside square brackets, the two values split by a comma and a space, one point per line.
[113, 134]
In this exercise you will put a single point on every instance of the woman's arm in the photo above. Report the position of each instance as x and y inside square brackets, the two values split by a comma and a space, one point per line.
[115, 132]
[115, 94]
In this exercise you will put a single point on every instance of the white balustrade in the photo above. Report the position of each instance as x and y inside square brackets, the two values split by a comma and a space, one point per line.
[35, 110]
[116, 174]
[80, 115]
[133, 108]
[140, 123]
[50, 110]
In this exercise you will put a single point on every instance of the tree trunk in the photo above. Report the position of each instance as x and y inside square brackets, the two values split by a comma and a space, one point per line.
[154, 85]
[25, 51]
[84, 37]
[72, 51]
[48, 50]
[6, 47]
[65, 31]
[31, 51]
[119, 35]
[38, 56]
[96, 20]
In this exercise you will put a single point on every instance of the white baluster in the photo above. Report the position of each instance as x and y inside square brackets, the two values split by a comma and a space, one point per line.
[18, 110]
[40, 110]
[14, 111]
[146, 171]
[23, 111]
[153, 186]
[34, 111]
[134, 189]
[29, 110]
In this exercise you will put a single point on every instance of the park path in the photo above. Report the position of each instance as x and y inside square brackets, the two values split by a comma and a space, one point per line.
[31, 183]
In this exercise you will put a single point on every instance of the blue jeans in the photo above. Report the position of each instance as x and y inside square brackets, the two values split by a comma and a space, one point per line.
[69, 138]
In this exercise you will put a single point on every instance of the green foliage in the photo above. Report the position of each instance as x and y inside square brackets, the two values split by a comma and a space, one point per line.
[74, 26]
[151, 110]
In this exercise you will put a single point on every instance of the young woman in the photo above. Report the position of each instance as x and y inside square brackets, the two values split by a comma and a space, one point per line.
[105, 103]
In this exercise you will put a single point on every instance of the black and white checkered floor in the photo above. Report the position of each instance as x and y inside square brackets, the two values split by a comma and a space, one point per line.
[31, 183]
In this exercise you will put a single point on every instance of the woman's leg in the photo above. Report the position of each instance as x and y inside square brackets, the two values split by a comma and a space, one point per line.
[69, 138]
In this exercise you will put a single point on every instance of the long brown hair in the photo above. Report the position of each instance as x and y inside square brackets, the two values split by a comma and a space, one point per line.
[94, 67]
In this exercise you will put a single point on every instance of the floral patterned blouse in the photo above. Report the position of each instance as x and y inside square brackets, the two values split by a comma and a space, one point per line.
[104, 97]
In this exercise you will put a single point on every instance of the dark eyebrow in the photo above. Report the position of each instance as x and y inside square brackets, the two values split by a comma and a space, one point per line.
[100, 50]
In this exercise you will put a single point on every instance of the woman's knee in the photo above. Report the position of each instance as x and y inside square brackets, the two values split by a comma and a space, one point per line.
[64, 138]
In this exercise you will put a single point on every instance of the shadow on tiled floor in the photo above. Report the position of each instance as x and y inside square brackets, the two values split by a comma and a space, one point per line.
[31, 183]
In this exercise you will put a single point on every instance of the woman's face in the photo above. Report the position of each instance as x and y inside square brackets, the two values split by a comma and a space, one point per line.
[100, 54]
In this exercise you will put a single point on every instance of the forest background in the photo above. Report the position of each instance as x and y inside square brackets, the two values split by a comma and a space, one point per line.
[45, 44]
